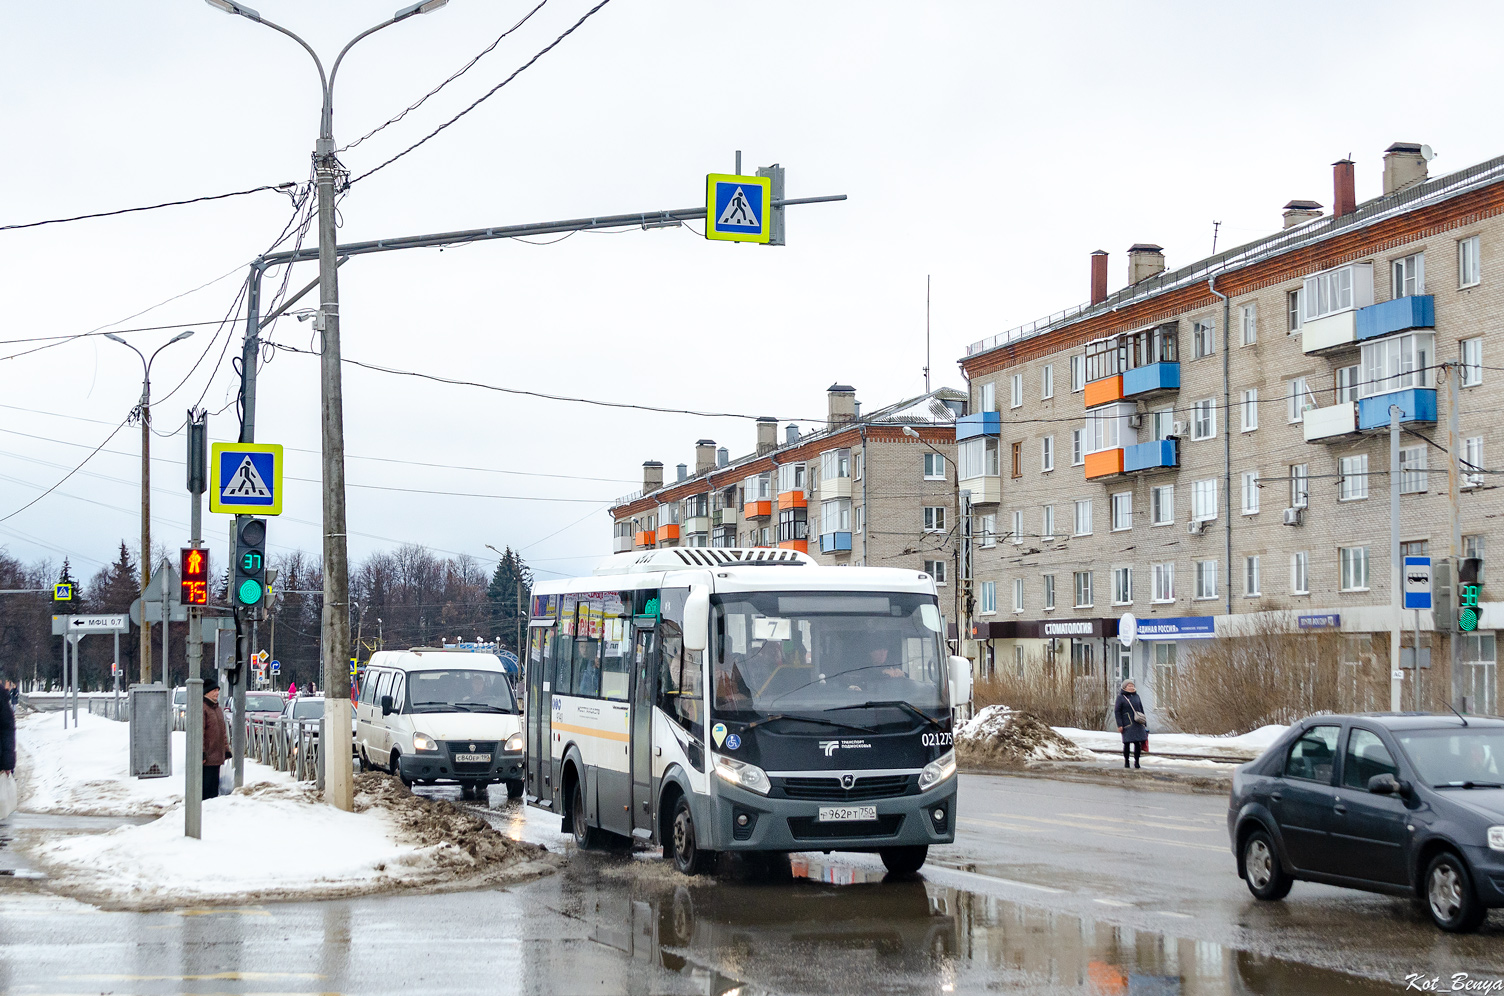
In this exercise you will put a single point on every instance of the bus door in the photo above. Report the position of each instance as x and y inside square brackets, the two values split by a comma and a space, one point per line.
[540, 715]
[644, 674]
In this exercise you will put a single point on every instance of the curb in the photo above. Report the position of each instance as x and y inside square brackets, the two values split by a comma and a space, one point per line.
[1143, 779]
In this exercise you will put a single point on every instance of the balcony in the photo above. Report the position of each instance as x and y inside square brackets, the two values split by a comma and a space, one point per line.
[643, 540]
[792, 499]
[1153, 455]
[835, 487]
[1100, 392]
[668, 533]
[979, 424]
[801, 545]
[757, 509]
[1104, 463]
[1416, 312]
[621, 544]
[1417, 404]
[1326, 335]
[987, 490]
[1151, 378]
[835, 542]
[725, 516]
[1332, 422]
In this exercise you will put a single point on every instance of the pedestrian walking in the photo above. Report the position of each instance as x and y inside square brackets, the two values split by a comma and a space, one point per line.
[8, 799]
[1132, 723]
[216, 739]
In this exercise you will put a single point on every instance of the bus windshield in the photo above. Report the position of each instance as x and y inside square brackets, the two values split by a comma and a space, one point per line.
[806, 653]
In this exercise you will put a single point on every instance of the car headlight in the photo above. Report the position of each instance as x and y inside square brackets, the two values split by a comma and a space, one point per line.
[937, 770]
[423, 742]
[743, 775]
[514, 742]
[1496, 838]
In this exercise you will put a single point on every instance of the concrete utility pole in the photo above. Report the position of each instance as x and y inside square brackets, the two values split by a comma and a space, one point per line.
[1396, 600]
[143, 412]
[1453, 373]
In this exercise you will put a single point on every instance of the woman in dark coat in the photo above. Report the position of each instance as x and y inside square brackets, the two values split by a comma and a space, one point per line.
[1135, 735]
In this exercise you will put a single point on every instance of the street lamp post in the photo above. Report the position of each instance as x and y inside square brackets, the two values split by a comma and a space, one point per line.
[338, 774]
[143, 412]
[961, 632]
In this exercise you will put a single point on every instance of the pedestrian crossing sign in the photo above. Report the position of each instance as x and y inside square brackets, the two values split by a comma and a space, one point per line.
[246, 478]
[738, 208]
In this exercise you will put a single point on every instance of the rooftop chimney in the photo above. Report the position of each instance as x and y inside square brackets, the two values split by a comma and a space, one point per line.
[1099, 276]
[1344, 199]
[1404, 166]
[840, 404]
[790, 435]
[722, 457]
[652, 476]
[767, 435]
[1300, 212]
[704, 456]
[1144, 260]
[683, 470]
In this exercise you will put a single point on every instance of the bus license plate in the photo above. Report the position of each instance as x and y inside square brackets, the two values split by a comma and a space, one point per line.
[472, 758]
[847, 814]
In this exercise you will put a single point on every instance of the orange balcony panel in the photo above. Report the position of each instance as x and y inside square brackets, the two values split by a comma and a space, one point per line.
[643, 538]
[1103, 463]
[792, 499]
[1100, 392]
[671, 532]
[801, 545]
[757, 510]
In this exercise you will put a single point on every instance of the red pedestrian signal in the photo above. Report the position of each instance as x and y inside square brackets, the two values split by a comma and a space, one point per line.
[194, 587]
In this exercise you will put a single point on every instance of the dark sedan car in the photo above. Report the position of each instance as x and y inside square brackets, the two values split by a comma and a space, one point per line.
[1408, 804]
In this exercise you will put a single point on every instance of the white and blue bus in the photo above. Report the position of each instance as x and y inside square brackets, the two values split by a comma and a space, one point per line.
[712, 699]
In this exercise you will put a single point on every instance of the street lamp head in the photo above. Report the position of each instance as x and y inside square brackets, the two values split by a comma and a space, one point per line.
[230, 7]
[180, 337]
[910, 431]
[417, 8]
[111, 335]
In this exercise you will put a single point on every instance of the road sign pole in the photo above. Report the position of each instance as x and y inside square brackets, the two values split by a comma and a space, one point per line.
[76, 642]
[64, 673]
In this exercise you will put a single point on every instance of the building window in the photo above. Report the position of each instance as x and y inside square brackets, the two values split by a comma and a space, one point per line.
[1472, 456]
[1250, 492]
[989, 597]
[859, 516]
[1397, 363]
[1353, 564]
[1018, 594]
[934, 467]
[1338, 290]
[1206, 579]
[1122, 511]
[1016, 391]
[1018, 659]
[1162, 423]
[791, 477]
[989, 397]
[1472, 361]
[1473, 546]
[1292, 311]
[1047, 454]
[835, 465]
[936, 570]
[1083, 589]
[1300, 398]
[988, 524]
[1047, 382]
[1469, 272]
[1412, 470]
[1162, 505]
[1078, 372]
[1249, 324]
[1409, 275]
[1300, 573]
[934, 518]
[1415, 548]
[1204, 419]
[1164, 582]
[1082, 665]
[1300, 485]
[1347, 384]
[1016, 458]
[857, 460]
[1122, 585]
[1018, 527]
[1251, 576]
[1354, 472]
[835, 516]
[793, 524]
[1049, 591]
[1078, 449]
[1049, 522]
[1202, 338]
[1250, 410]
[1083, 517]
[1204, 499]
[978, 457]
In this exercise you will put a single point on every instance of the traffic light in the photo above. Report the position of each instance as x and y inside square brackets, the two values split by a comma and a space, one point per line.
[193, 569]
[1469, 587]
[248, 580]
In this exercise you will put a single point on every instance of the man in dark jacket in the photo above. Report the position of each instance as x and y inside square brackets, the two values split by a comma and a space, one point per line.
[1135, 734]
[7, 730]
[216, 744]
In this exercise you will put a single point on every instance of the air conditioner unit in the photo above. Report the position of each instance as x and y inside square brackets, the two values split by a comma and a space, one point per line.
[1293, 516]
[1198, 526]
[1179, 428]
[1472, 480]
[1136, 421]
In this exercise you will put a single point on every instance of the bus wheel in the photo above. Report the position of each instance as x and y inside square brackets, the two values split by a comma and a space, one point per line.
[689, 857]
[904, 860]
[586, 837]
[514, 788]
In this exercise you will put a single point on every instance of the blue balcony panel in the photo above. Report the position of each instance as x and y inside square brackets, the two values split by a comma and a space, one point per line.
[835, 542]
[1417, 403]
[1149, 456]
[979, 424]
[1154, 377]
[1416, 312]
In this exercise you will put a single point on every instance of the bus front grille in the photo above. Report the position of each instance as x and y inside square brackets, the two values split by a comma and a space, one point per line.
[830, 790]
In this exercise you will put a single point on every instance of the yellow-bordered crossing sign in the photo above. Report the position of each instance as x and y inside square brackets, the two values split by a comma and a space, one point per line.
[245, 478]
[738, 208]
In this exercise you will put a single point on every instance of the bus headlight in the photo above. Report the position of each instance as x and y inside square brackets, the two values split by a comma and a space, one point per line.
[937, 770]
[421, 741]
[514, 742]
[743, 775]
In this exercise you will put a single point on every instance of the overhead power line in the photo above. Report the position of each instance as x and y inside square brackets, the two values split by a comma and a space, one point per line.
[150, 207]
[70, 473]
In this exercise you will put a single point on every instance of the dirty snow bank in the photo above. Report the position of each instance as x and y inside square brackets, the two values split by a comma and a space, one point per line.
[1244, 747]
[999, 735]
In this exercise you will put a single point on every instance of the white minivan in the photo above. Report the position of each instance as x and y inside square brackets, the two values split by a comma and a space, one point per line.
[430, 715]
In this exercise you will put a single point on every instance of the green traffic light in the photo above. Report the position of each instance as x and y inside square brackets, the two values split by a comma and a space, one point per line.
[1467, 620]
[250, 592]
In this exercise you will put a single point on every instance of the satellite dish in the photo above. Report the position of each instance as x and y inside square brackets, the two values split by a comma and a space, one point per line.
[1426, 153]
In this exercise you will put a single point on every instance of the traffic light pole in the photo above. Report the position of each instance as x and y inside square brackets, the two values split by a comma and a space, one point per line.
[1453, 375]
[240, 674]
[193, 714]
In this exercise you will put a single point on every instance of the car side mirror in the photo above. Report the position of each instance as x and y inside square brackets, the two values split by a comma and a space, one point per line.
[697, 617]
[386, 705]
[960, 681]
[1387, 784]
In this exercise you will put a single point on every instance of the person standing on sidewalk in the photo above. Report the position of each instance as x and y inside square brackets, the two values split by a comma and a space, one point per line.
[1132, 723]
[7, 751]
[216, 741]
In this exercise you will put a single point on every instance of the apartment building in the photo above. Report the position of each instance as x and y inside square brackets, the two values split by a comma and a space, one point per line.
[876, 489]
[1206, 451]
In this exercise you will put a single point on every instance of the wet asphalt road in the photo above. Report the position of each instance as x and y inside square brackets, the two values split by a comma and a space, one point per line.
[1053, 887]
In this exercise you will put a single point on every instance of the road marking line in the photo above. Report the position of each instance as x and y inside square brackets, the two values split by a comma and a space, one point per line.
[1142, 823]
[216, 977]
[1112, 832]
[997, 879]
[1182, 916]
[1001, 826]
[1111, 902]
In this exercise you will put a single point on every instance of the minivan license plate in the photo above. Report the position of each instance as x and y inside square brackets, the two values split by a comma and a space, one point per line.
[471, 758]
[846, 814]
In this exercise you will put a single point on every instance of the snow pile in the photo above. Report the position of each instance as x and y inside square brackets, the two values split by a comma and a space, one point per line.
[1244, 747]
[85, 770]
[999, 735]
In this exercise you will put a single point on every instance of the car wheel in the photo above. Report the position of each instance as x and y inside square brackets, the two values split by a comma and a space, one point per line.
[586, 837]
[514, 788]
[684, 845]
[1450, 899]
[1261, 868]
[467, 790]
[396, 769]
[904, 860]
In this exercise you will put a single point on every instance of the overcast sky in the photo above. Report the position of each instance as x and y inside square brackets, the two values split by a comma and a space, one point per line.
[991, 145]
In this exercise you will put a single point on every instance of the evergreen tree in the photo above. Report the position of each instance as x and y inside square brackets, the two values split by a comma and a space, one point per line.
[502, 593]
[65, 576]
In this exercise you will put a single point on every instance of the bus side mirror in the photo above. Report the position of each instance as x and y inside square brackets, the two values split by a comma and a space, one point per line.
[960, 681]
[386, 705]
[697, 618]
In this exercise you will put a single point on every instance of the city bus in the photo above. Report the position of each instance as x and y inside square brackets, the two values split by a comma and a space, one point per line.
[718, 699]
